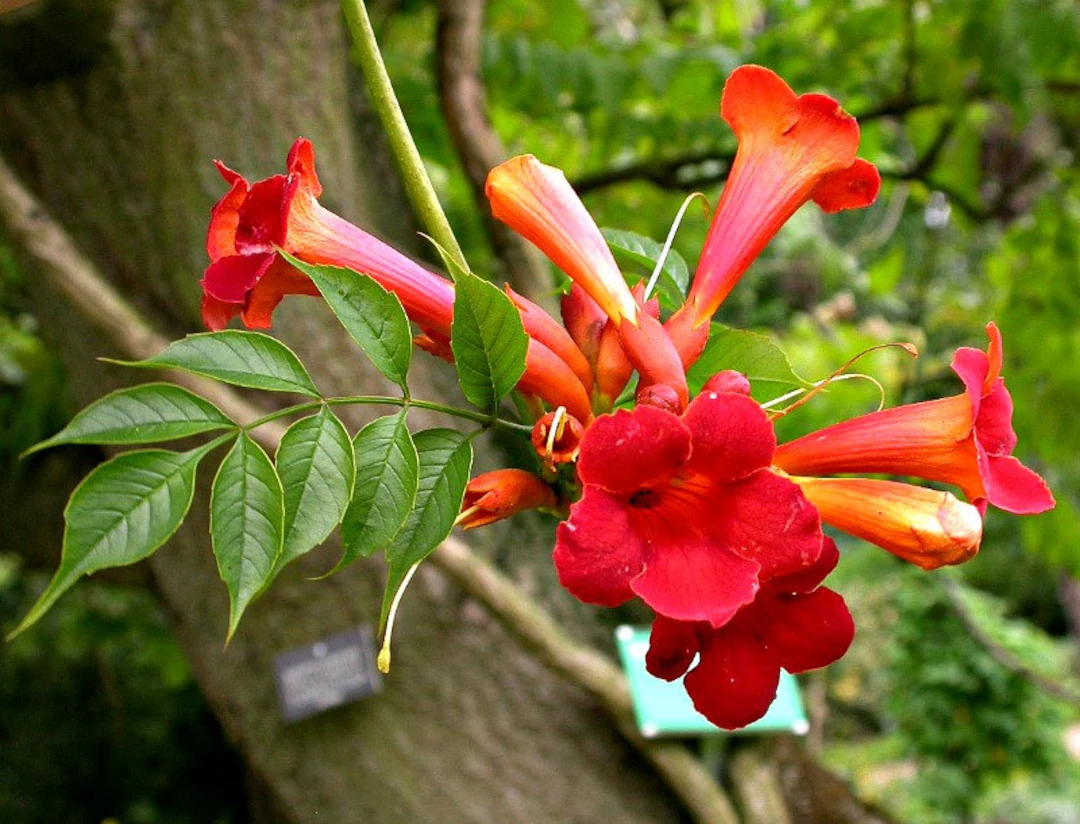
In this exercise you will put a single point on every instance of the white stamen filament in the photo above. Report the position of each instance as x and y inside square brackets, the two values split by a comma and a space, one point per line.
[383, 660]
[655, 276]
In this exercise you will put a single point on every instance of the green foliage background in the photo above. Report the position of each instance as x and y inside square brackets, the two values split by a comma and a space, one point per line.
[971, 108]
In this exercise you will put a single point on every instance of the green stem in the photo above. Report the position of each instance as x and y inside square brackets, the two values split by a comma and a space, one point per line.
[387, 400]
[417, 183]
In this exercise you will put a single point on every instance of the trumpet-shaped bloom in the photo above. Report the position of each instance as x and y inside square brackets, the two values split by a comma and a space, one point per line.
[247, 276]
[683, 511]
[966, 440]
[501, 493]
[791, 149]
[927, 527]
[793, 624]
[538, 203]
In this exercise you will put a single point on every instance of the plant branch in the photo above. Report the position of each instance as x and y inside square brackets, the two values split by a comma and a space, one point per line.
[463, 99]
[414, 175]
[1003, 656]
[390, 400]
[67, 270]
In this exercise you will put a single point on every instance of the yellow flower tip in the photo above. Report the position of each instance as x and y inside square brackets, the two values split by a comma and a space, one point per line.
[383, 660]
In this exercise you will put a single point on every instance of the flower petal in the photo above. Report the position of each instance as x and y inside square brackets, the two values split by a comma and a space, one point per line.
[692, 578]
[279, 280]
[224, 218]
[548, 377]
[993, 426]
[216, 314]
[736, 679]
[261, 226]
[301, 163]
[596, 552]
[229, 279]
[501, 493]
[855, 187]
[537, 202]
[767, 519]
[627, 450]
[787, 146]
[1013, 487]
[731, 435]
[757, 99]
[672, 647]
[809, 577]
[808, 631]
[541, 326]
[973, 367]
[652, 353]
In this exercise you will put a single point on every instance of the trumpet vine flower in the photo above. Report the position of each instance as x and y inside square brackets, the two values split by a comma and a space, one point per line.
[966, 440]
[248, 277]
[501, 493]
[684, 511]
[791, 149]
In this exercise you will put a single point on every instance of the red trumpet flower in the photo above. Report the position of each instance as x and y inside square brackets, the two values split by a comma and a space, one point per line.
[791, 149]
[966, 440]
[684, 511]
[248, 277]
[501, 493]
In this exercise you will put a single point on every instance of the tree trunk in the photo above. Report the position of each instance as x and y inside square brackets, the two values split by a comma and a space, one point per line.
[111, 111]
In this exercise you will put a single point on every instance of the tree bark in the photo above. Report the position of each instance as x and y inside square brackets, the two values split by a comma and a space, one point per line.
[115, 135]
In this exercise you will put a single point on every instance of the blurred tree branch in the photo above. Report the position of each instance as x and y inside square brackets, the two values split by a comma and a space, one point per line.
[463, 99]
[1008, 660]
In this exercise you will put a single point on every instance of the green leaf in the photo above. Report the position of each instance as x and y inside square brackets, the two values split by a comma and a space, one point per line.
[445, 461]
[120, 513]
[247, 515]
[453, 267]
[373, 316]
[674, 275]
[753, 354]
[386, 483]
[316, 465]
[249, 359]
[143, 414]
[488, 341]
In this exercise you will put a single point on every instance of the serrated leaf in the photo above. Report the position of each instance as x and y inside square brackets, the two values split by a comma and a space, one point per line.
[120, 513]
[241, 358]
[445, 461]
[316, 466]
[488, 341]
[750, 353]
[143, 414]
[674, 274]
[247, 515]
[386, 482]
[373, 316]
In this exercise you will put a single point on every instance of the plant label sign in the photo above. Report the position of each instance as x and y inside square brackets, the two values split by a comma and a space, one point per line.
[326, 674]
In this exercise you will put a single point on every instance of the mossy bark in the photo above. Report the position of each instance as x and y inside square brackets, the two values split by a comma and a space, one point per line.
[114, 131]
